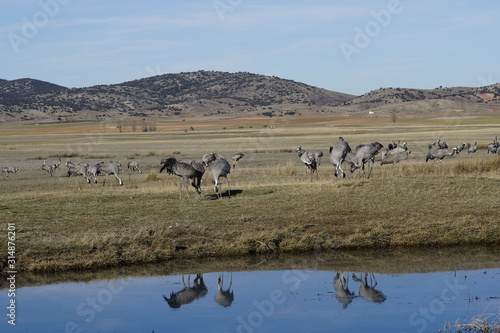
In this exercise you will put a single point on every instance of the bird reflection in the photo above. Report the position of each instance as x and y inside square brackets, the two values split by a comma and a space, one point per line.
[224, 297]
[367, 289]
[342, 292]
[188, 293]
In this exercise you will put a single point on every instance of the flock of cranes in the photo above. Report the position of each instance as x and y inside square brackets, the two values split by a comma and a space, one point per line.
[191, 172]
[362, 159]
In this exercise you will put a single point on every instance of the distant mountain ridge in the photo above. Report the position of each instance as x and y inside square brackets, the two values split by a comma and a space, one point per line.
[384, 96]
[201, 93]
[24, 87]
[213, 93]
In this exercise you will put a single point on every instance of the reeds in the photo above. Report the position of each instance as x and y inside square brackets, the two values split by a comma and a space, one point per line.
[483, 323]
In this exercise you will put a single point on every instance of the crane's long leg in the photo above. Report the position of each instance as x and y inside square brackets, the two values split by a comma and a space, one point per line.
[371, 167]
[119, 180]
[187, 188]
[180, 189]
[340, 168]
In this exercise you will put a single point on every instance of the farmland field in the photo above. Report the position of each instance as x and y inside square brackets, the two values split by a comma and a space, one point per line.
[64, 223]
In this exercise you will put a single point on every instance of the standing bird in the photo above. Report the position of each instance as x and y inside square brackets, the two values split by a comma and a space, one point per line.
[396, 157]
[110, 168]
[209, 158]
[318, 155]
[77, 170]
[220, 168]
[51, 169]
[493, 147]
[352, 160]
[439, 154]
[473, 148]
[134, 166]
[461, 147]
[440, 144]
[365, 154]
[186, 172]
[236, 157]
[337, 155]
[8, 170]
[308, 159]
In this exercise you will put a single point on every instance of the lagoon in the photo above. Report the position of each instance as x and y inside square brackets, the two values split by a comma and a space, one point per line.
[271, 294]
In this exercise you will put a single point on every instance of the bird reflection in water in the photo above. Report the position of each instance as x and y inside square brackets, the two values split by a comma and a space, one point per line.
[224, 297]
[188, 293]
[367, 289]
[342, 292]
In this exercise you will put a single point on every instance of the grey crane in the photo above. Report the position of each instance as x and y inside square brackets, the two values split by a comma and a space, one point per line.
[337, 155]
[93, 170]
[472, 149]
[401, 148]
[220, 168]
[236, 157]
[352, 160]
[308, 159]
[77, 170]
[366, 154]
[318, 155]
[224, 297]
[392, 145]
[51, 168]
[439, 154]
[440, 144]
[110, 168]
[395, 155]
[209, 158]
[188, 294]
[493, 147]
[462, 146]
[134, 166]
[8, 170]
[186, 172]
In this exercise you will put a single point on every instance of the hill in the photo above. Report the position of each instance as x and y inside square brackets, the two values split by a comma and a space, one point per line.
[14, 91]
[200, 93]
[221, 94]
[384, 96]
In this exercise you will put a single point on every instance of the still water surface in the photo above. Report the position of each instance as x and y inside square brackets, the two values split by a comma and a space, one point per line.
[284, 300]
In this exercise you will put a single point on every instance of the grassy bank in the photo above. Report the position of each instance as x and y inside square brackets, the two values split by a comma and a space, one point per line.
[109, 226]
[63, 223]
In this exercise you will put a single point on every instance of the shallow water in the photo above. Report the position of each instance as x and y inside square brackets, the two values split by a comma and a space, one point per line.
[298, 300]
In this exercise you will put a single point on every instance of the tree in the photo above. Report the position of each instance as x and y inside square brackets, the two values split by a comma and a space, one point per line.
[394, 116]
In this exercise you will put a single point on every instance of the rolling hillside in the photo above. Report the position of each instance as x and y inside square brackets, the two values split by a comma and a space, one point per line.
[222, 94]
[385, 96]
[199, 93]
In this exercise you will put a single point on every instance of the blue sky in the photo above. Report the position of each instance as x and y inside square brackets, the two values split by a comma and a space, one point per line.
[348, 46]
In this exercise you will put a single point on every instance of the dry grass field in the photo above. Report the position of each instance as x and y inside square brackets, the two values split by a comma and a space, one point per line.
[64, 223]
